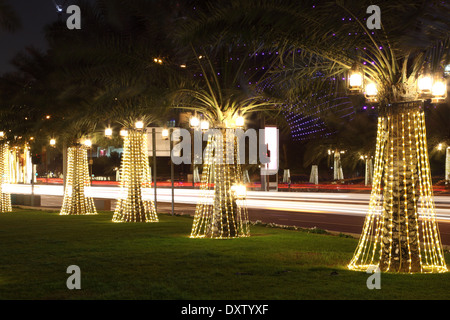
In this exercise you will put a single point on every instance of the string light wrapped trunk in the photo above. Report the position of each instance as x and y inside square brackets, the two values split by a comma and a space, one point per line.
[75, 201]
[5, 200]
[135, 204]
[221, 212]
[400, 233]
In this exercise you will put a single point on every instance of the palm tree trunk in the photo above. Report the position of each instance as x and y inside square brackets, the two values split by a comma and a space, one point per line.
[225, 216]
[75, 201]
[5, 198]
[135, 204]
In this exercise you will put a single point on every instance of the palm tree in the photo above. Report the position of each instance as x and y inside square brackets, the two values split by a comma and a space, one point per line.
[223, 98]
[333, 40]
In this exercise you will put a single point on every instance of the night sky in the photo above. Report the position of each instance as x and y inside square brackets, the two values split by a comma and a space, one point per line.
[34, 15]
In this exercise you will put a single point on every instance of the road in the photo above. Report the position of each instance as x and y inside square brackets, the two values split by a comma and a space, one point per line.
[339, 211]
[330, 221]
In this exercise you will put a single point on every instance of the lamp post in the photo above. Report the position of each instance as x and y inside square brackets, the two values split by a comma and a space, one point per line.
[197, 126]
[447, 166]
[154, 165]
[5, 197]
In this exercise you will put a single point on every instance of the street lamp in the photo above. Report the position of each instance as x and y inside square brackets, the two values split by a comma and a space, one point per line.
[87, 143]
[424, 85]
[108, 132]
[371, 92]
[355, 79]
[52, 142]
[204, 125]
[165, 134]
[439, 90]
[139, 125]
[123, 133]
[194, 122]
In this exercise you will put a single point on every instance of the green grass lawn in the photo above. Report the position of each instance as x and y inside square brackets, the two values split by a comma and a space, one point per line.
[159, 261]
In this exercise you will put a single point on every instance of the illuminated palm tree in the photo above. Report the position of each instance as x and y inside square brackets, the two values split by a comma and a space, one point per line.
[5, 197]
[223, 102]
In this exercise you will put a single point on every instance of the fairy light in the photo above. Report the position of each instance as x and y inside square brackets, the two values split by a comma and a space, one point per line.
[75, 201]
[5, 197]
[135, 205]
[221, 212]
[400, 232]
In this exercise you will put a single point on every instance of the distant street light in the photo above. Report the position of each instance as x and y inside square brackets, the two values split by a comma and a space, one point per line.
[108, 132]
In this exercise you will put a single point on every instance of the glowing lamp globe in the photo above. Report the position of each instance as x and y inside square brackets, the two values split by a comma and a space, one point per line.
[123, 133]
[52, 142]
[356, 80]
[438, 91]
[424, 84]
[165, 133]
[240, 121]
[87, 143]
[194, 122]
[108, 132]
[371, 91]
[447, 70]
[204, 125]
[139, 125]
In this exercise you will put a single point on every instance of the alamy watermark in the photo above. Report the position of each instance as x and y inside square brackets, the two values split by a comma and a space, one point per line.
[74, 20]
[74, 281]
[374, 21]
[374, 281]
[226, 146]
